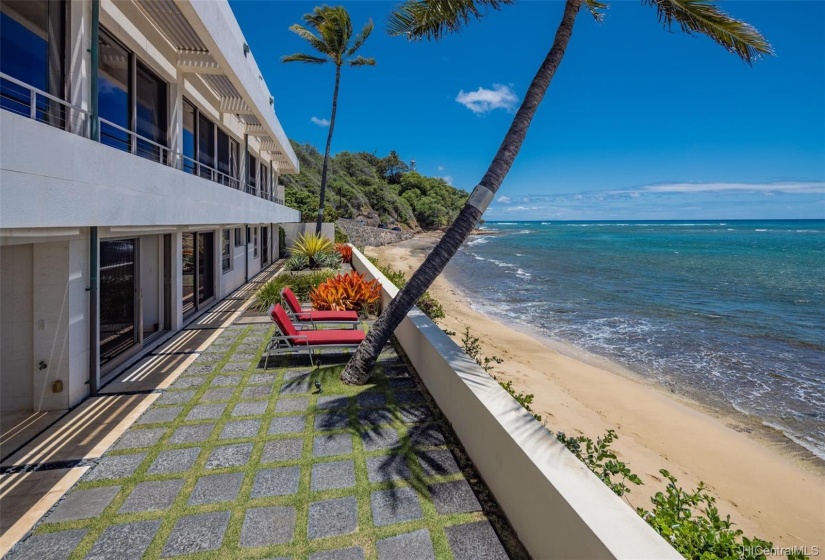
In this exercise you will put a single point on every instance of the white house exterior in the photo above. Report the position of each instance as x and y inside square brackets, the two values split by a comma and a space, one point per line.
[123, 219]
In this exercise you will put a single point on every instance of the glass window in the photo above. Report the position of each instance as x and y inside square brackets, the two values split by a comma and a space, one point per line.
[252, 173]
[32, 51]
[150, 96]
[233, 163]
[238, 237]
[264, 177]
[255, 243]
[206, 145]
[113, 93]
[223, 156]
[226, 251]
[189, 116]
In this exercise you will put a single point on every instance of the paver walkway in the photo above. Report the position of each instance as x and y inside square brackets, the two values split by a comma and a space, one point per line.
[234, 461]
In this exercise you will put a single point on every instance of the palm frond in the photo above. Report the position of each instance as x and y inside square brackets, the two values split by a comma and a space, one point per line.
[433, 19]
[361, 61]
[308, 58]
[317, 44]
[596, 9]
[361, 37]
[703, 16]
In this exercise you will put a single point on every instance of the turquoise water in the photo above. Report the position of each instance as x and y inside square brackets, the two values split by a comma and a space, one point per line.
[729, 313]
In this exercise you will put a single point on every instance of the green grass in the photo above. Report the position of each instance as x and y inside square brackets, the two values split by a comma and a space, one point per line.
[300, 547]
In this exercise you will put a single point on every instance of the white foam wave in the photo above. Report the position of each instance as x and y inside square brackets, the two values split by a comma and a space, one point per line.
[478, 241]
[505, 223]
[760, 230]
[523, 274]
[502, 263]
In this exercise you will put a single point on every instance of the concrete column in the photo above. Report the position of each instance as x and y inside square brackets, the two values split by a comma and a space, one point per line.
[176, 320]
[175, 130]
[78, 319]
[78, 62]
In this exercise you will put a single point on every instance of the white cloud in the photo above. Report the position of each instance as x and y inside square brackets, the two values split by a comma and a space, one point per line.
[448, 179]
[787, 187]
[320, 122]
[504, 199]
[440, 168]
[484, 100]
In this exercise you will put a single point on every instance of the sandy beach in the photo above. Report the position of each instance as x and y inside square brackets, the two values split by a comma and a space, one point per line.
[768, 485]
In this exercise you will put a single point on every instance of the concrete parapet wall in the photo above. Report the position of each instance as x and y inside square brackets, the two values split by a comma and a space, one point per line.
[558, 508]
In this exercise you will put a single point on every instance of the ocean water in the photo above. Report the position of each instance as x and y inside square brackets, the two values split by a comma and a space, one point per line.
[729, 313]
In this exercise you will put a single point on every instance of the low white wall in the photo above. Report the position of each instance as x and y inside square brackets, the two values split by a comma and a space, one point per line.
[558, 508]
[293, 230]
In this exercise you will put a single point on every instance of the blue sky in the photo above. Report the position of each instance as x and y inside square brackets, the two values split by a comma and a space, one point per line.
[638, 123]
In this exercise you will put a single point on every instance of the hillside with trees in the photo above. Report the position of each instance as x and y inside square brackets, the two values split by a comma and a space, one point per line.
[363, 186]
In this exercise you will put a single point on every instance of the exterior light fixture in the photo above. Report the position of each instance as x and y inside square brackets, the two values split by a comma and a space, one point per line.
[245, 49]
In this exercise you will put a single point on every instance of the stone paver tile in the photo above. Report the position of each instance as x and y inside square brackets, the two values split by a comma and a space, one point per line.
[206, 412]
[196, 533]
[376, 438]
[229, 456]
[174, 460]
[258, 392]
[199, 369]
[48, 546]
[188, 382]
[249, 408]
[159, 415]
[375, 417]
[242, 357]
[212, 395]
[331, 421]
[371, 399]
[337, 474]
[333, 517]
[416, 545]
[192, 434]
[386, 468]
[226, 380]
[282, 450]
[408, 397]
[332, 401]
[395, 371]
[401, 383]
[216, 488]
[454, 497]
[262, 379]
[287, 425]
[426, 435]
[134, 439]
[394, 506]
[414, 414]
[292, 405]
[281, 481]
[437, 462]
[237, 367]
[475, 541]
[152, 496]
[292, 374]
[83, 504]
[175, 397]
[115, 466]
[352, 553]
[295, 387]
[332, 444]
[127, 541]
[266, 526]
[241, 429]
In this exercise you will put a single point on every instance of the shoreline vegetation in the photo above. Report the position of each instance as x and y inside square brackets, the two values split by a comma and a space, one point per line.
[771, 487]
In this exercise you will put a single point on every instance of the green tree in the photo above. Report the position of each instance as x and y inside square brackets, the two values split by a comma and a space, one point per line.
[333, 32]
[433, 19]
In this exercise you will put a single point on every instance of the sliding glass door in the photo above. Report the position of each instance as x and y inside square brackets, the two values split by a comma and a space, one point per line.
[118, 298]
[198, 270]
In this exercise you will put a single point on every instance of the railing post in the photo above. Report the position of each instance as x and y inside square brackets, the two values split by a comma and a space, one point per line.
[33, 102]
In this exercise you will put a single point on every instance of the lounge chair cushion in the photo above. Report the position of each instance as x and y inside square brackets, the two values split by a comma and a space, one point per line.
[330, 337]
[321, 316]
[291, 299]
[279, 316]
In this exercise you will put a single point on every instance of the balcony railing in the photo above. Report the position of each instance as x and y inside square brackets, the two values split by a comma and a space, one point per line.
[28, 101]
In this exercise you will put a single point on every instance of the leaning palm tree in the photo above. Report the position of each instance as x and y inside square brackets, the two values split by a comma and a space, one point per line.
[433, 19]
[333, 31]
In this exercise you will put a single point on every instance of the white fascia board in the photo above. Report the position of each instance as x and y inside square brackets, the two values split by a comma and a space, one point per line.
[217, 27]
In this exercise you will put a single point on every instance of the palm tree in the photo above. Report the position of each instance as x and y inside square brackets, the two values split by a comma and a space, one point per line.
[433, 19]
[333, 31]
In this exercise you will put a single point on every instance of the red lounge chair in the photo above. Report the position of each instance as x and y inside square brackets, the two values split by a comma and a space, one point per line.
[297, 313]
[289, 339]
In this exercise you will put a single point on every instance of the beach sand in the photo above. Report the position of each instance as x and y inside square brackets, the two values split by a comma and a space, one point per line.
[769, 486]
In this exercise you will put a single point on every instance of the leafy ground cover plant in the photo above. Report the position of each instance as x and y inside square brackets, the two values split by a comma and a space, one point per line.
[345, 251]
[428, 305]
[301, 284]
[347, 292]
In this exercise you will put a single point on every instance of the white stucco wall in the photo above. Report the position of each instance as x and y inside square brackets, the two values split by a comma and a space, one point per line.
[51, 178]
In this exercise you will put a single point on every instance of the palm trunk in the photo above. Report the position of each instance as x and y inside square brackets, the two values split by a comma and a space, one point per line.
[323, 196]
[359, 368]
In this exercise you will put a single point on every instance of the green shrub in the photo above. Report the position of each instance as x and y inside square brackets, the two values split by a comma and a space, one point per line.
[428, 305]
[281, 242]
[301, 284]
[297, 262]
[599, 458]
[328, 260]
[340, 236]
